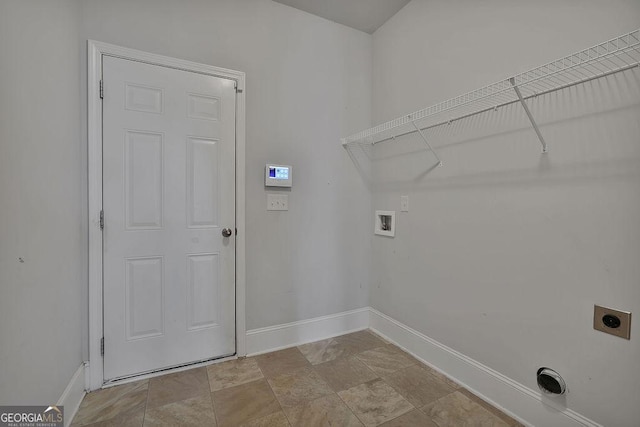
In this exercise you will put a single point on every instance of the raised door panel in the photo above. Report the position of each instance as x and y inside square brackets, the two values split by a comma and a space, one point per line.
[144, 302]
[203, 291]
[202, 182]
[143, 180]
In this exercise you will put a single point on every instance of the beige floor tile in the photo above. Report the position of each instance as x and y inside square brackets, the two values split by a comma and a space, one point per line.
[358, 342]
[130, 419]
[193, 412]
[126, 400]
[345, 373]
[281, 362]
[324, 351]
[415, 418]
[329, 410]
[495, 411]
[299, 386]
[177, 386]
[233, 373]
[457, 410]
[277, 419]
[375, 402]
[407, 354]
[235, 406]
[386, 360]
[451, 383]
[418, 385]
[380, 337]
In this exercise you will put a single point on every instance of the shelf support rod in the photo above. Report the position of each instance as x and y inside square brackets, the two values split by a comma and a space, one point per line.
[424, 138]
[512, 80]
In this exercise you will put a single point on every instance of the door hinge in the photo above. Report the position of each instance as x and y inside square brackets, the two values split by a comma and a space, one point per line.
[101, 220]
[102, 346]
[101, 89]
[236, 86]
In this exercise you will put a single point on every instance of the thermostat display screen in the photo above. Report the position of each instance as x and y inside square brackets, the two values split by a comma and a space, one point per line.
[278, 175]
[278, 172]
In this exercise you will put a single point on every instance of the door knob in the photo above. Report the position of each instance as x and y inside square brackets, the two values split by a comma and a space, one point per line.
[226, 232]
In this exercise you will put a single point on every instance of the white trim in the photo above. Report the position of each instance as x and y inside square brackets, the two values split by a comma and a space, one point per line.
[240, 218]
[501, 391]
[72, 395]
[94, 143]
[277, 337]
[94, 376]
[167, 371]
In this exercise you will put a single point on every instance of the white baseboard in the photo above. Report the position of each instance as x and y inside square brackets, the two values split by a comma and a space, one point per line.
[277, 337]
[72, 395]
[522, 403]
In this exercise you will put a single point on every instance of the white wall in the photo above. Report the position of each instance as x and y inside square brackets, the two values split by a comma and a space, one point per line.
[308, 82]
[502, 254]
[504, 250]
[40, 200]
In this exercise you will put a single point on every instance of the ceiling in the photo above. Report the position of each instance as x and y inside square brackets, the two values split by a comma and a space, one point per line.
[363, 15]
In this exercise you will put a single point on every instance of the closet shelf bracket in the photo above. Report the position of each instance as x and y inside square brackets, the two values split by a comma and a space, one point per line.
[512, 80]
[426, 141]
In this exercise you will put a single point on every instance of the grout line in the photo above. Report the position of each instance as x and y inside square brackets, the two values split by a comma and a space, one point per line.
[213, 408]
[350, 410]
[146, 404]
[275, 396]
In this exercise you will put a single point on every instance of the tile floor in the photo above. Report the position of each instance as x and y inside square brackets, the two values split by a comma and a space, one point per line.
[351, 380]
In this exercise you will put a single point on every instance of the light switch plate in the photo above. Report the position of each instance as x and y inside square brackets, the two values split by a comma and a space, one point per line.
[277, 202]
[404, 203]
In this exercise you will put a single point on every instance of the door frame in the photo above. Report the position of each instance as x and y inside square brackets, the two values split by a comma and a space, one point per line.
[94, 373]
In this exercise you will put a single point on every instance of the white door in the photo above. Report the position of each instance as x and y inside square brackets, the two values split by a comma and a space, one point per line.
[168, 196]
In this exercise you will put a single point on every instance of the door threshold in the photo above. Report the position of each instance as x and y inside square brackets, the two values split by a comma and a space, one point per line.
[164, 371]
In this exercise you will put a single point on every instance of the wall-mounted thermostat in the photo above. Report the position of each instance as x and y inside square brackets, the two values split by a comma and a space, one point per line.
[278, 176]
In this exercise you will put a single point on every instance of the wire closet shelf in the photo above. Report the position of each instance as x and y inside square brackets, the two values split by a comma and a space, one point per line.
[613, 56]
